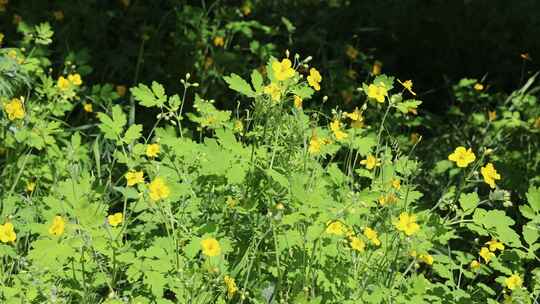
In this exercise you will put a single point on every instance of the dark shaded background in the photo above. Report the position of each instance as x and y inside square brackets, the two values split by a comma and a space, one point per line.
[433, 42]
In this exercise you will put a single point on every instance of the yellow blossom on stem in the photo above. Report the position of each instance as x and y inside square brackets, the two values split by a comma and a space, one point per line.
[115, 219]
[474, 265]
[30, 186]
[490, 175]
[479, 87]
[297, 102]
[462, 157]
[396, 184]
[486, 254]
[231, 286]
[14, 109]
[336, 228]
[283, 70]
[388, 199]
[152, 150]
[357, 120]
[158, 189]
[63, 84]
[7, 233]
[408, 84]
[88, 107]
[370, 162]
[495, 245]
[357, 244]
[274, 91]
[377, 92]
[351, 52]
[335, 127]
[210, 247]
[134, 177]
[492, 115]
[121, 90]
[407, 224]
[426, 258]
[513, 282]
[315, 144]
[372, 235]
[75, 79]
[314, 79]
[219, 41]
[377, 68]
[57, 226]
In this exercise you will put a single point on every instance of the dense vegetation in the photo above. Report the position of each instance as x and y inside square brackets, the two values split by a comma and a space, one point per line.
[262, 152]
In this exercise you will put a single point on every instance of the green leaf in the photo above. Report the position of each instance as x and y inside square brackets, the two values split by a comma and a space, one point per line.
[533, 197]
[112, 127]
[406, 105]
[149, 97]
[530, 233]
[257, 81]
[278, 177]
[303, 91]
[132, 134]
[469, 201]
[364, 144]
[238, 84]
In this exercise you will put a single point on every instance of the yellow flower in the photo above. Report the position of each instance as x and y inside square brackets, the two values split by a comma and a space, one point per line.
[389, 199]
[238, 126]
[210, 247]
[376, 69]
[407, 223]
[486, 254]
[357, 119]
[87, 107]
[351, 52]
[377, 92]
[134, 177]
[152, 150]
[370, 162]
[75, 79]
[231, 286]
[495, 245]
[246, 8]
[297, 102]
[58, 15]
[335, 127]
[231, 202]
[474, 265]
[30, 186]
[407, 84]
[274, 91]
[314, 79]
[336, 228]
[478, 86]
[426, 258]
[121, 90]
[14, 109]
[490, 175]
[219, 41]
[1, 38]
[396, 183]
[462, 157]
[357, 244]
[512, 282]
[158, 189]
[415, 138]
[283, 70]
[315, 144]
[7, 233]
[492, 115]
[115, 219]
[372, 236]
[63, 84]
[57, 227]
